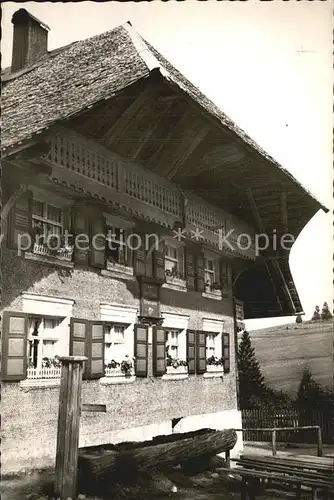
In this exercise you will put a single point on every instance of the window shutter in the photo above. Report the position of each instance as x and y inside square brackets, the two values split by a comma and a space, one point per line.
[98, 243]
[141, 350]
[226, 352]
[79, 337]
[20, 222]
[199, 279]
[14, 346]
[140, 258]
[159, 351]
[159, 261]
[190, 269]
[201, 352]
[80, 226]
[95, 350]
[191, 351]
[225, 278]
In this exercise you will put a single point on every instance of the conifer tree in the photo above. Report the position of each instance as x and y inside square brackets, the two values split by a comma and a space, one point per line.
[316, 314]
[325, 312]
[251, 381]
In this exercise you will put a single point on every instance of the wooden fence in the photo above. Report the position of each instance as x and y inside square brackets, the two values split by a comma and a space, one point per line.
[260, 419]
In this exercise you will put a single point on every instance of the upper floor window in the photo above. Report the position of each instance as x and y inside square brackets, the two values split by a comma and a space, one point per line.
[117, 248]
[49, 221]
[174, 260]
[211, 272]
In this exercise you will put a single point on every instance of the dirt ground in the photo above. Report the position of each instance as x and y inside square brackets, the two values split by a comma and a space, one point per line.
[208, 485]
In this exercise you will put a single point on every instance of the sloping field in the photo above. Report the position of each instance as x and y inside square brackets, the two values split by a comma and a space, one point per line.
[284, 351]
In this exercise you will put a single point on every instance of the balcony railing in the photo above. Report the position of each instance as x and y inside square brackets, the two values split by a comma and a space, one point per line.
[141, 189]
[50, 372]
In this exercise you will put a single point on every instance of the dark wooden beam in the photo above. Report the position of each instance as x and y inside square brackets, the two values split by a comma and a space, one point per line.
[193, 139]
[180, 122]
[119, 129]
[151, 129]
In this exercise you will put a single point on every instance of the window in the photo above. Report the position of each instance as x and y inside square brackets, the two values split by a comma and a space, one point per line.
[174, 260]
[44, 348]
[117, 251]
[210, 345]
[173, 343]
[114, 344]
[48, 229]
[47, 221]
[116, 248]
[117, 360]
[211, 273]
[214, 360]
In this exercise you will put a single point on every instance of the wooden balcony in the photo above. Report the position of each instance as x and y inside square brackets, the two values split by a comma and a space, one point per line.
[84, 165]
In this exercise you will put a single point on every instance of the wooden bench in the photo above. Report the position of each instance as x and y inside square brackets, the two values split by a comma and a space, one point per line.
[260, 472]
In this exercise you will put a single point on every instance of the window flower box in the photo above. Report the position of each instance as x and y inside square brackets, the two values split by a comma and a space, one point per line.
[212, 293]
[61, 253]
[177, 370]
[123, 369]
[214, 368]
[44, 372]
[119, 268]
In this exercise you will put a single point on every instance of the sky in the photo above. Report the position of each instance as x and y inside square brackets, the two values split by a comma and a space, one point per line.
[267, 65]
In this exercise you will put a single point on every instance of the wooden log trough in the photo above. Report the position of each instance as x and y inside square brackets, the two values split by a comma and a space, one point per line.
[99, 462]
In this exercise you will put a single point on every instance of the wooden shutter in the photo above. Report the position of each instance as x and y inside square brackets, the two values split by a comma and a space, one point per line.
[141, 350]
[225, 278]
[80, 225]
[191, 351]
[159, 262]
[199, 277]
[95, 350]
[98, 243]
[20, 222]
[140, 258]
[159, 351]
[189, 268]
[14, 346]
[201, 352]
[226, 352]
[79, 338]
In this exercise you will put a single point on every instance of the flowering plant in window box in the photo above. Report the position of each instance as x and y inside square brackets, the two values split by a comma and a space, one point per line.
[214, 364]
[176, 365]
[174, 277]
[125, 367]
[212, 287]
[51, 362]
[52, 246]
[50, 369]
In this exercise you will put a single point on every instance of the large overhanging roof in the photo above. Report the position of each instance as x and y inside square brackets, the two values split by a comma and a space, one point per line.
[102, 85]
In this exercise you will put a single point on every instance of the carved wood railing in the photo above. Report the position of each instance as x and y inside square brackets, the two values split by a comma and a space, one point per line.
[139, 187]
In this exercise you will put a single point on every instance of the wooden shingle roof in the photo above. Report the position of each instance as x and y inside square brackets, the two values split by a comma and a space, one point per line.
[68, 80]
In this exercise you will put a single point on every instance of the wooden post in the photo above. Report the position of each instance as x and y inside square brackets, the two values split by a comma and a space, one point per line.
[320, 451]
[274, 442]
[68, 426]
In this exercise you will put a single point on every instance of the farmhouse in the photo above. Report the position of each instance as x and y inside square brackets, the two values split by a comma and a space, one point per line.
[130, 209]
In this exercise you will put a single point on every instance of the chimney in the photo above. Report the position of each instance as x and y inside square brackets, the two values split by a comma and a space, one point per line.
[30, 40]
